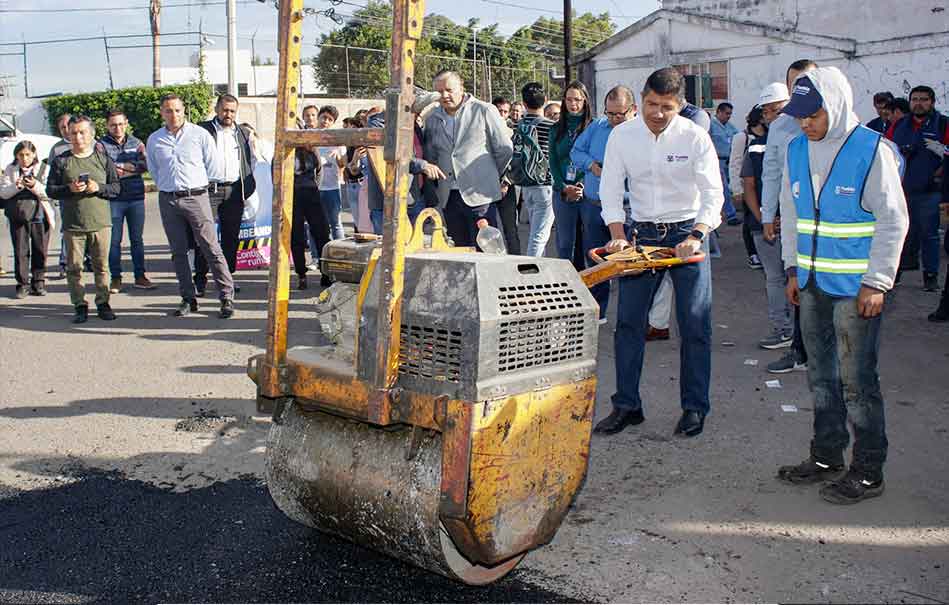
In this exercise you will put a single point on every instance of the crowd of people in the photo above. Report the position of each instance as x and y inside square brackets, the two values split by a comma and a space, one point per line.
[832, 212]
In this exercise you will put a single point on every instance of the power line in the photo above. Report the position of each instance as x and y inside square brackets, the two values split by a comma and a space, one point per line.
[108, 9]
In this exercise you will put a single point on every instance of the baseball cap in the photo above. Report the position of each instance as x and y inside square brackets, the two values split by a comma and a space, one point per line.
[772, 93]
[805, 99]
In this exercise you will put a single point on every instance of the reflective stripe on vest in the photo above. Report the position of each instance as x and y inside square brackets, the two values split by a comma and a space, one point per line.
[833, 265]
[834, 232]
[839, 230]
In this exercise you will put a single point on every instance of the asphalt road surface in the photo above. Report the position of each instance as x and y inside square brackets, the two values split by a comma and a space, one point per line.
[131, 465]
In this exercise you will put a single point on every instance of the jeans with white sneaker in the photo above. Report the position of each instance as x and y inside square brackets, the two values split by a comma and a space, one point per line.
[539, 202]
[779, 310]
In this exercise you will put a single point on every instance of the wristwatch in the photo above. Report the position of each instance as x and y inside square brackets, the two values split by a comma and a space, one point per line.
[699, 235]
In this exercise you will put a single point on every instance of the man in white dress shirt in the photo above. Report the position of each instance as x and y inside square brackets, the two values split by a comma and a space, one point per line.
[675, 192]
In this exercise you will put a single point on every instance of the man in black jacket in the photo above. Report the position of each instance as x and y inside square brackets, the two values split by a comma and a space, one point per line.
[237, 160]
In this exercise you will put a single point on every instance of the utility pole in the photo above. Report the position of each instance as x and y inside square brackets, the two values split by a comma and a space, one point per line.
[108, 60]
[474, 62]
[253, 61]
[232, 47]
[26, 87]
[349, 89]
[567, 40]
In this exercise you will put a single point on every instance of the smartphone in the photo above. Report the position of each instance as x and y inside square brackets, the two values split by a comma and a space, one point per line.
[83, 178]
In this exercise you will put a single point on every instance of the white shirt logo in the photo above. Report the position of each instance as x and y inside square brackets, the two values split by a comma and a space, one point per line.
[796, 189]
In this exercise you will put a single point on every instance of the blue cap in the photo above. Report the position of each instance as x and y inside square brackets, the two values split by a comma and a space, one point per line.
[805, 100]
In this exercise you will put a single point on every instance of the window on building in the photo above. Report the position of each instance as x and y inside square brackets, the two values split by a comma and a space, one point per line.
[220, 89]
[711, 84]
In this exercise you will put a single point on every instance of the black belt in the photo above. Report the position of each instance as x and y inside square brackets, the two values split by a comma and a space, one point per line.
[664, 225]
[231, 184]
[187, 192]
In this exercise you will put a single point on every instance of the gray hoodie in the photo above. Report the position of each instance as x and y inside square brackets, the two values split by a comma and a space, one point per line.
[883, 192]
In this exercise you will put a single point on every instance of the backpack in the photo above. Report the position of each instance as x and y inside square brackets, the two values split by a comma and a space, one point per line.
[529, 165]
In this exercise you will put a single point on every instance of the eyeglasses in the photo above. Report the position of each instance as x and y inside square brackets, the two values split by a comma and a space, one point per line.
[615, 114]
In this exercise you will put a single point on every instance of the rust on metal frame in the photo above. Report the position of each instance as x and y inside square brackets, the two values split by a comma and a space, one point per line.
[334, 137]
[407, 17]
[278, 293]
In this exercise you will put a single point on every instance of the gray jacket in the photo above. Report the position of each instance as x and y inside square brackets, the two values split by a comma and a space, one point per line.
[476, 156]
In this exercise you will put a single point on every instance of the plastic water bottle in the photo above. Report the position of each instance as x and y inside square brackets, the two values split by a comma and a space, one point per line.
[571, 175]
[490, 240]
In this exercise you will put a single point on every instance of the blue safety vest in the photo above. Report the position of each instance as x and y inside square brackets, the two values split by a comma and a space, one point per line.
[834, 232]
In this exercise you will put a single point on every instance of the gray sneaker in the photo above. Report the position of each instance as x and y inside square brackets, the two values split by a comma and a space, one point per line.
[777, 340]
[789, 363]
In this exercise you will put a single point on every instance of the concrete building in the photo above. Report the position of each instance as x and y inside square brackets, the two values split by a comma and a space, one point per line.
[252, 80]
[736, 47]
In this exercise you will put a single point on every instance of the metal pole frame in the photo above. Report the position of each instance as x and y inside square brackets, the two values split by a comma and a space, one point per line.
[273, 376]
[407, 18]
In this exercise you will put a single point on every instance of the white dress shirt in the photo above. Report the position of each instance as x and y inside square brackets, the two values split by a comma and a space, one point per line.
[673, 177]
[227, 150]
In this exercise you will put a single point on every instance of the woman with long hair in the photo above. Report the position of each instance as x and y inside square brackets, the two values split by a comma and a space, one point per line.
[567, 179]
[23, 191]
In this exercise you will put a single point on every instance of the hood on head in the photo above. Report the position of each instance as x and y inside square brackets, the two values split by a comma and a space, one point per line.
[836, 97]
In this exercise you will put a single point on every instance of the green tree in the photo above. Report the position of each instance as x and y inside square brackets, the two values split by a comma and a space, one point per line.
[140, 105]
[502, 65]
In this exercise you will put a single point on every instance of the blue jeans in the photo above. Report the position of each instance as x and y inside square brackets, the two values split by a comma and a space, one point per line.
[693, 301]
[539, 202]
[595, 235]
[352, 198]
[728, 206]
[332, 203]
[923, 232]
[132, 212]
[566, 217]
[376, 217]
[843, 350]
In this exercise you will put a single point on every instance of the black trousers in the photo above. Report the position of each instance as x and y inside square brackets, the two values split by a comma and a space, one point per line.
[307, 207]
[750, 248]
[228, 207]
[30, 243]
[507, 208]
[460, 219]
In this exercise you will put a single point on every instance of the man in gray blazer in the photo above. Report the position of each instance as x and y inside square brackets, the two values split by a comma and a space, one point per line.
[468, 140]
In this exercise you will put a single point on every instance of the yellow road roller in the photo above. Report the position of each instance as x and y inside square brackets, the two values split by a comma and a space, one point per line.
[444, 417]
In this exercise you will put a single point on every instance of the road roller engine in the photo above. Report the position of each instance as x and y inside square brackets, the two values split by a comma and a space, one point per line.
[444, 416]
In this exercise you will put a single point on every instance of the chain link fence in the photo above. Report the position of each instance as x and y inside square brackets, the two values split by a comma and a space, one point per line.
[350, 71]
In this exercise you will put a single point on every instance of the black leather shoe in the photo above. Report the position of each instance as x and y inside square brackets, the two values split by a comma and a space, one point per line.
[301, 282]
[200, 289]
[82, 314]
[227, 309]
[185, 307]
[690, 424]
[105, 312]
[619, 420]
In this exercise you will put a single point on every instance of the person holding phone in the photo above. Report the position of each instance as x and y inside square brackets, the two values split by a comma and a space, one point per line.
[31, 218]
[84, 180]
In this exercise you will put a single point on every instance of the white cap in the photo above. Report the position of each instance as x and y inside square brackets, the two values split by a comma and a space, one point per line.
[774, 92]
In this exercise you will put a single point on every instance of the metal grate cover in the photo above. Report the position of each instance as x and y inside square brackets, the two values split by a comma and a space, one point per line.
[537, 298]
[433, 353]
[539, 341]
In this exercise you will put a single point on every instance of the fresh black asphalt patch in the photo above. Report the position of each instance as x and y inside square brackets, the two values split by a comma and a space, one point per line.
[105, 538]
